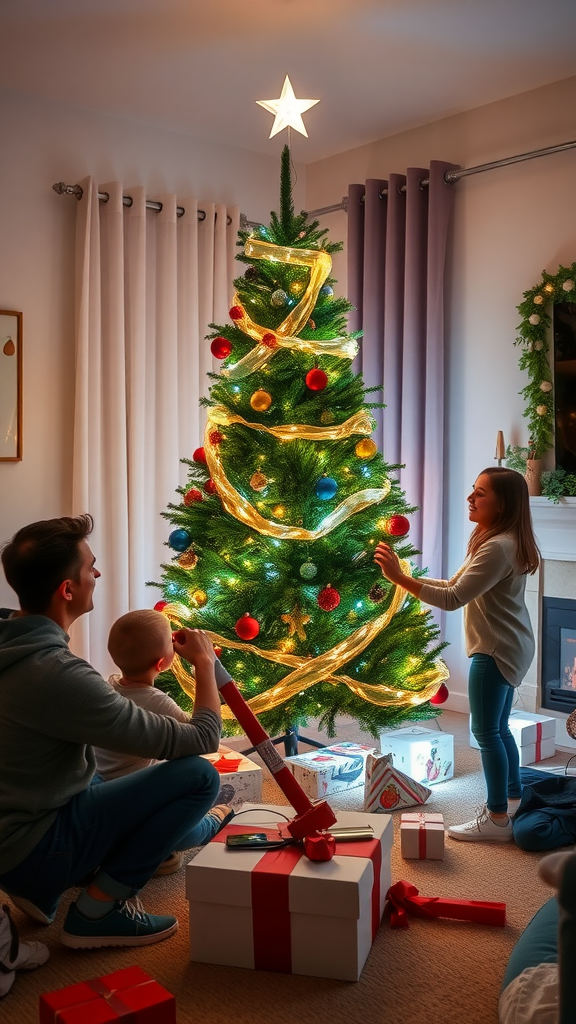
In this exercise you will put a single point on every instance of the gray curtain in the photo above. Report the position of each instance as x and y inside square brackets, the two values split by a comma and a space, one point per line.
[397, 239]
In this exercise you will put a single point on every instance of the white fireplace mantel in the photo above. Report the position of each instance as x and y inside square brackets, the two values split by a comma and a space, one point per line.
[555, 528]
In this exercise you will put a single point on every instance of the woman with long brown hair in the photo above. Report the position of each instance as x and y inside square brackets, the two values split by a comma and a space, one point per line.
[490, 585]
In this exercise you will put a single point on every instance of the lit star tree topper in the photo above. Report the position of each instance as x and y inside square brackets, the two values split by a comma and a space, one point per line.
[287, 110]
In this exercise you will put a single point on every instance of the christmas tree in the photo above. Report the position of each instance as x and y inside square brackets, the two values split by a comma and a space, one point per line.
[285, 502]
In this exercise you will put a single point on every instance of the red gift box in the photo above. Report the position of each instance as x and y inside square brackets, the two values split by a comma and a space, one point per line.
[129, 995]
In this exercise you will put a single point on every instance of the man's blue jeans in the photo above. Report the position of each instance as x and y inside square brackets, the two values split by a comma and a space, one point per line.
[125, 827]
[490, 704]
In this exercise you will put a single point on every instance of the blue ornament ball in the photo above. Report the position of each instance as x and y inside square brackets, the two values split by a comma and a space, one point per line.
[327, 291]
[326, 488]
[179, 540]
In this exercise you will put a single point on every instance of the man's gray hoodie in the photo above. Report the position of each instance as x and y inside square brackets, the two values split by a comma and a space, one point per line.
[53, 708]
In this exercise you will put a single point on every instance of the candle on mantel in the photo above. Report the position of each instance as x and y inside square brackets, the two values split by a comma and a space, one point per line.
[500, 452]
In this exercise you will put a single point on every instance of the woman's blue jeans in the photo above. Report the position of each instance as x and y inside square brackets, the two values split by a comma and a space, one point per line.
[125, 827]
[490, 704]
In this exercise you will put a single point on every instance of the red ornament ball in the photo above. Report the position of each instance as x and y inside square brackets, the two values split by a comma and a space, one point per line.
[270, 340]
[192, 496]
[210, 487]
[328, 599]
[160, 606]
[216, 437]
[221, 348]
[247, 628]
[236, 313]
[218, 652]
[397, 526]
[199, 455]
[441, 696]
[316, 379]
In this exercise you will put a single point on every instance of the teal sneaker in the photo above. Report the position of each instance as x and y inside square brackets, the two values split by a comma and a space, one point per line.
[127, 924]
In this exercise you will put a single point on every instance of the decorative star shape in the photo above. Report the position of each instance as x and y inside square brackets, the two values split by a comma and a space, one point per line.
[287, 110]
[296, 621]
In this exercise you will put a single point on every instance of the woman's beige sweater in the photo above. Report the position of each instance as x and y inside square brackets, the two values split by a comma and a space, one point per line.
[491, 590]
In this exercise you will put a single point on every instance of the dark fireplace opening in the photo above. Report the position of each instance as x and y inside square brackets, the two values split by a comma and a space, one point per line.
[559, 654]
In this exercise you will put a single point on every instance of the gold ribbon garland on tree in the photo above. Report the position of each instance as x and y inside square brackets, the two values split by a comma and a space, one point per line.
[309, 671]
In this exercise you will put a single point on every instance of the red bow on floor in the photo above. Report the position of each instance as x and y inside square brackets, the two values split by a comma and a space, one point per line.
[403, 897]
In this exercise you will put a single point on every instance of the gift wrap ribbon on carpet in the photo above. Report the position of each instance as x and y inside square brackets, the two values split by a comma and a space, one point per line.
[404, 897]
[270, 895]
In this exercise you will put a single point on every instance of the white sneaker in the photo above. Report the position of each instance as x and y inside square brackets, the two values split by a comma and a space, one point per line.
[482, 828]
[16, 955]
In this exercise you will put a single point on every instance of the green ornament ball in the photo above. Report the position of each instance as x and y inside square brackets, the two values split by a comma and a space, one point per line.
[308, 570]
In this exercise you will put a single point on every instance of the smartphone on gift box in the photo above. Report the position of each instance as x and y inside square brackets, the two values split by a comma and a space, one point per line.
[255, 841]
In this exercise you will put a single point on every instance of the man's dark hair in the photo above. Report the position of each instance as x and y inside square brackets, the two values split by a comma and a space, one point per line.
[41, 556]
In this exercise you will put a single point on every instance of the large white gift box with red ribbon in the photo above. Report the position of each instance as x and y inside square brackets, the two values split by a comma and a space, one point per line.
[426, 755]
[422, 836]
[276, 910]
[330, 769]
[240, 778]
[535, 736]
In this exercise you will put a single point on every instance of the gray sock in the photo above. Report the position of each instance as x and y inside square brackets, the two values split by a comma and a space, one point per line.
[94, 909]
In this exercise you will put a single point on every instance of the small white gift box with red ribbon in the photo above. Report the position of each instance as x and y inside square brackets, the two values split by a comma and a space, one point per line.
[240, 778]
[330, 769]
[535, 736]
[422, 836]
[276, 910]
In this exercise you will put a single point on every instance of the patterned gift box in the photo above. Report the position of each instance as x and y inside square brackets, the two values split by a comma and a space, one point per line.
[129, 993]
[330, 769]
[388, 789]
[422, 836]
[240, 778]
[279, 911]
[426, 755]
[535, 736]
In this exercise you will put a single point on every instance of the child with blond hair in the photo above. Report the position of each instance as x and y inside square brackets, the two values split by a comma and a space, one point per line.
[140, 645]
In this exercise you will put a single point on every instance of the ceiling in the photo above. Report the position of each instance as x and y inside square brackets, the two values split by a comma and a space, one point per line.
[198, 66]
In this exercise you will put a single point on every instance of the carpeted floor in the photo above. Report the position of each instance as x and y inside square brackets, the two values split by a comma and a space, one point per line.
[434, 971]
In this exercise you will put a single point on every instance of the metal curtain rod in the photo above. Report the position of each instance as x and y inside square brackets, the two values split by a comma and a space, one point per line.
[76, 190]
[451, 176]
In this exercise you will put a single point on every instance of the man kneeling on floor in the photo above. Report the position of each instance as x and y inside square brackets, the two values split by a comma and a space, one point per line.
[56, 829]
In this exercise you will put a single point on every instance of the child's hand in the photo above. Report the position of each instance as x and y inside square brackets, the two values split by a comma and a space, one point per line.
[389, 562]
[193, 645]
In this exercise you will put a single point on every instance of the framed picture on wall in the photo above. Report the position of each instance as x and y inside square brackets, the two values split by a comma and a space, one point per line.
[10, 386]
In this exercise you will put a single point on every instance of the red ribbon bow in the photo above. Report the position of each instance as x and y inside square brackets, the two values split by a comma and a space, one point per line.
[403, 897]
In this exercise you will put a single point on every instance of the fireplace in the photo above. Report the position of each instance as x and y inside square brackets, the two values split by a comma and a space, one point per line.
[559, 654]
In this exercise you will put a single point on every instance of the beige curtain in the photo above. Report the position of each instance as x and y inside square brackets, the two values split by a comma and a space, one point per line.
[147, 286]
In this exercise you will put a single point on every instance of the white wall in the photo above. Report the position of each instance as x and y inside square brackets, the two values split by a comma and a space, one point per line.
[509, 225]
[43, 143]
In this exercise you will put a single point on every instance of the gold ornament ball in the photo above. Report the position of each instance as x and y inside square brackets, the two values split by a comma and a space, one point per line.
[279, 511]
[261, 401]
[366, 449]
[327, 417]
[534, 319]
[538, 346]
[188, 560]
[538, 300]
[296, 288]
[549, 288]
[541, 410]
[568, 286]
[546, 386]
[199, 598]
[258, 482]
